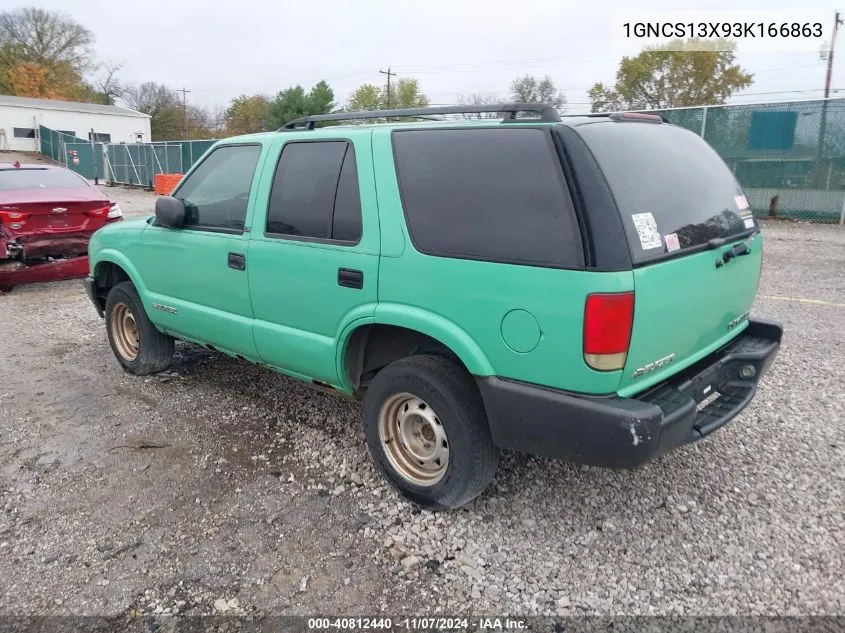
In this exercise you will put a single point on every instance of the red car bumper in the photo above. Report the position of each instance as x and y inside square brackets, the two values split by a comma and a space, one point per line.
[15, 273]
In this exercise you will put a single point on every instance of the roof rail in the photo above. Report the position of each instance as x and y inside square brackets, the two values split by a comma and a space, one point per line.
[548, 114]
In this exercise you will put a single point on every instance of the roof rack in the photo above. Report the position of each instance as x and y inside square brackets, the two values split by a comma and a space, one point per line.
[548, 114]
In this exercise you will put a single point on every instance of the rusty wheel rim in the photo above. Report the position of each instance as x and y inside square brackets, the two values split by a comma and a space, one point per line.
[414, 439]
[125, 331]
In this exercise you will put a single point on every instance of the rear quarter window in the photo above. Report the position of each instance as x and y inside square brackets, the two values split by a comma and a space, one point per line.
[673, 190]
[487, 194]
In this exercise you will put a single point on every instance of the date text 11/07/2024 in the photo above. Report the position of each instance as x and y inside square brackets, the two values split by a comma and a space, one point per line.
[417, 623]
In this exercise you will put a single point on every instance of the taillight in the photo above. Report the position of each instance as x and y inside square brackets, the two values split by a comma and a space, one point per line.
[98, 213]
[8, 217]
[608, 319]
[115, 212]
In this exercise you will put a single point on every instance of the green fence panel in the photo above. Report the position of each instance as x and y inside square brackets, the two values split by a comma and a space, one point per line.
[192, 151]
[789, 157]
[85, 159]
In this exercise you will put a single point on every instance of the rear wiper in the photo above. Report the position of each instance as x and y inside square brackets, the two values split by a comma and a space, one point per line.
[738, 250]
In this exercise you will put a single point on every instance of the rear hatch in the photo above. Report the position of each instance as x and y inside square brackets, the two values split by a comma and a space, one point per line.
[695, 245]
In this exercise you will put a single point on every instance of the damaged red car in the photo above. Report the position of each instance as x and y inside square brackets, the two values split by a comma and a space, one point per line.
[47, 216]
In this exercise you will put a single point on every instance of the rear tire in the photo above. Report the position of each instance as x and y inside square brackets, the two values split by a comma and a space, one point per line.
[427, 432]
[138, 346]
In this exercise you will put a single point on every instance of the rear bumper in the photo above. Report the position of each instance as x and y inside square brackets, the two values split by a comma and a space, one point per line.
[13, 273]
[91, 290]
[626, 432]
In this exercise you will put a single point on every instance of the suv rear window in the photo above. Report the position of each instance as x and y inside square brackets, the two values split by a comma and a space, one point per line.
[673, 190]
[488, 194]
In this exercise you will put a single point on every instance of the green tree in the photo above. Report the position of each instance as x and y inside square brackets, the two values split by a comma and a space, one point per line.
[365, 98]
[247, 114]
[529, 89]
[163, 106]
[294, 102]
[404, 93]
[678, 74]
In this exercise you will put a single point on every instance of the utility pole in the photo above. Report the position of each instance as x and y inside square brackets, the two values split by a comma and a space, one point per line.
[184, 111]
[389, 75]
[836, 24]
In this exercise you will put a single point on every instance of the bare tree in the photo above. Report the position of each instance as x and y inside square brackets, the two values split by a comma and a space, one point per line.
[481, 100]
[45, 37]
[529, 89]
[163, 106]
[106, 83]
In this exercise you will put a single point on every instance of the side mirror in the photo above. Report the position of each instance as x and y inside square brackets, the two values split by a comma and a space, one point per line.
[170, 212]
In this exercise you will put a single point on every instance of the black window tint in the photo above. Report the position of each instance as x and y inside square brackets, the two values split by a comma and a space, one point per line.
[671, 187]
[216, 194]
[491, 194]
[346, 225]
[23, 132]
[304, 188]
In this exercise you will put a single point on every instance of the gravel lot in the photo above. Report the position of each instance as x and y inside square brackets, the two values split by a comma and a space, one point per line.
[222, 487]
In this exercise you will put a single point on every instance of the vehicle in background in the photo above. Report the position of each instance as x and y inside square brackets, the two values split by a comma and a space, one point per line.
[47, 215]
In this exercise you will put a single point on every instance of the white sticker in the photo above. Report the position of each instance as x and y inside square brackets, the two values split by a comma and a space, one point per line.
[672, 242]
[741, 202]
[749, 223]
[647, 230]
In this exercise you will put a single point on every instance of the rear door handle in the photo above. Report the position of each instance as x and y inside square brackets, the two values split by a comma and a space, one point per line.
[350, 278]
[237, 261]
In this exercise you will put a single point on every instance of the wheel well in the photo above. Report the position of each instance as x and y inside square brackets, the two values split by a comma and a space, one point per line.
[373, 347]
[108, 275]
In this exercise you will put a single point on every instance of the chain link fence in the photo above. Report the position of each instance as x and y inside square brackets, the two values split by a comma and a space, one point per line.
[789, 157]
[122, 163]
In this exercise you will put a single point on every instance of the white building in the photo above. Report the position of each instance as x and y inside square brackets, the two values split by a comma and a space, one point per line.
[21, 116]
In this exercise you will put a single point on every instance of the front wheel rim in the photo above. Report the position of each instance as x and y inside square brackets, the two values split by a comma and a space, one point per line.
[125, 331]
[414, 439]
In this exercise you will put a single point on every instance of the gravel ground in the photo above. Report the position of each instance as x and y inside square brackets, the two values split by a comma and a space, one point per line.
[222, 487]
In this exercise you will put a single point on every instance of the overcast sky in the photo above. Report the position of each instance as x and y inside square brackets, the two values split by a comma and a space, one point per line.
[219, 50]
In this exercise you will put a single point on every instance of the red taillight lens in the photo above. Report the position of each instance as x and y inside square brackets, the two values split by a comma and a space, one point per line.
[608, 319]
[98, 213]
[637, 116]
[12, 216]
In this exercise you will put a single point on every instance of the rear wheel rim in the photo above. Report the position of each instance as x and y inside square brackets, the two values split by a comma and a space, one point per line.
[125, 331]
[414, 439]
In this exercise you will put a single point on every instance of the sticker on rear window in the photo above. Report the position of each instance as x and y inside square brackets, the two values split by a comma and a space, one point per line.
[647, 230]
[749, 223]
[672, 242]
[741, 202]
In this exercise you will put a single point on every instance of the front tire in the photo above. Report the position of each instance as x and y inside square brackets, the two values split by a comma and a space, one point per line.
[138, 346]
[427, 432]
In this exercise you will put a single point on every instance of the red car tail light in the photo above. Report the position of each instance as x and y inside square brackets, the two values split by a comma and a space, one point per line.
[608, 320]
[8, 217]
[98, 213]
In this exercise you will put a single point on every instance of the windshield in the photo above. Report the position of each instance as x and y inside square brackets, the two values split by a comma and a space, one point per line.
[673, 190]
[39, 178]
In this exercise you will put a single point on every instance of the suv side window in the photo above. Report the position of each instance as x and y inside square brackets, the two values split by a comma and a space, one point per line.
[315, 193]
[488, 194]
[216, 194]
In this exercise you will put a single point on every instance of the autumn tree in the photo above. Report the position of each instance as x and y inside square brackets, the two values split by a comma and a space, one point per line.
[365, 98]
[43, 54]
[246, 115]
[529, 89]
[680, 73]
[294, 102]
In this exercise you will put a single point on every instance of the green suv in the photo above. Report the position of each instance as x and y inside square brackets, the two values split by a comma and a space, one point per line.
[575, 288]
